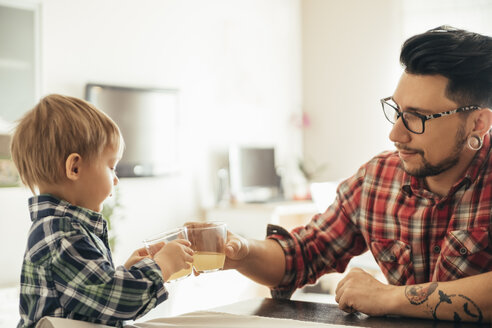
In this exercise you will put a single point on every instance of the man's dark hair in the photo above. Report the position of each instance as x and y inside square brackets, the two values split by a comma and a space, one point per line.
[465, 58]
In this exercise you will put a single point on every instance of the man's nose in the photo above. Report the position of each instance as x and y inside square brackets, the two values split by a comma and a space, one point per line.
[399, 133]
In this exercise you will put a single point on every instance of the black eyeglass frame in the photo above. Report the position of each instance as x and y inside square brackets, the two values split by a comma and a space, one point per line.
[422, 117]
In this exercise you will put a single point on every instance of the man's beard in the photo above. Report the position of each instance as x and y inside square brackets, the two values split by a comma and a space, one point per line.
[428, 169]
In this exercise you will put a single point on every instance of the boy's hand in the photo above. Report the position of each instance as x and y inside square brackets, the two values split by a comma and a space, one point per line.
[174, 256]
[136, 256]
[154, 248]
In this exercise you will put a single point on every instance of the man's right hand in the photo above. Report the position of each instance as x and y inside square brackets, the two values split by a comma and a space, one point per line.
[236, 249]
[248, 256]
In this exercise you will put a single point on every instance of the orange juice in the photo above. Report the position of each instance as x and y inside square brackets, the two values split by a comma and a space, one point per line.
[180, 274]
[208, 261]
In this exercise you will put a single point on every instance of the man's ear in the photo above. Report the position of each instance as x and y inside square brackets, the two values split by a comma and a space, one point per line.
[72, 166]
[482, 122]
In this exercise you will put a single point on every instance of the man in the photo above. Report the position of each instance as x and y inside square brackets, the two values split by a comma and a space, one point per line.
[424, 210]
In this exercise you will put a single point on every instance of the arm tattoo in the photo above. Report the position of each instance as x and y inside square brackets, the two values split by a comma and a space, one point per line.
[462, 307]
[418, 294]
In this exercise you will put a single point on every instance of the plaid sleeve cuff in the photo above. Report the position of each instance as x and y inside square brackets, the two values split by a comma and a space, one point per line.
[289, 245]
[152, 271]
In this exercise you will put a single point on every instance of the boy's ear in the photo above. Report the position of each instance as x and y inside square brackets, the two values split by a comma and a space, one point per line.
[72, 166]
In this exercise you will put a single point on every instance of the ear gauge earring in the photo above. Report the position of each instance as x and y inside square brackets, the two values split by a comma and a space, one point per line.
[475, 142]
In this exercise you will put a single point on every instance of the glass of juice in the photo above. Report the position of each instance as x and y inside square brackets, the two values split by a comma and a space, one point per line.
[154, 243]
[207, 241]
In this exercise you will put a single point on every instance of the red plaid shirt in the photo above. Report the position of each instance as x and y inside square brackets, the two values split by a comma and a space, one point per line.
[415, 236]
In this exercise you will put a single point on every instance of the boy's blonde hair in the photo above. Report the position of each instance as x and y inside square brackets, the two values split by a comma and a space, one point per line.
[55, 128]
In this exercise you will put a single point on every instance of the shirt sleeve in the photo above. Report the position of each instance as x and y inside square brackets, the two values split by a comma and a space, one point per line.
[326, 244]
[90, 287]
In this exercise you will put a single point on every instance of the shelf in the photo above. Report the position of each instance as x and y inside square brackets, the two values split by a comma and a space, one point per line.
[251, 219]
[15, 64]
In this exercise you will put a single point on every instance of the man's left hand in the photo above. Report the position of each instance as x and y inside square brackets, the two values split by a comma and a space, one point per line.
[358, 291]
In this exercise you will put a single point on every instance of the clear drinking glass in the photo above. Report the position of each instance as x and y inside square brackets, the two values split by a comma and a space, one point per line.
[154, 243]
[208, 243]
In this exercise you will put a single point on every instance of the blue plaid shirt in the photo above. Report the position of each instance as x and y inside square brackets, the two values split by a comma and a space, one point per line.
[68, 270]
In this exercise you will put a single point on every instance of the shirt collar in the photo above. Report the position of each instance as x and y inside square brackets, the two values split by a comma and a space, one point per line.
[412, 185]
[44, 205]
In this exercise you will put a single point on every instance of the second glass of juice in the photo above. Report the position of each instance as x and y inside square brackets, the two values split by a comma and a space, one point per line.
[207, 241]
[154, 243]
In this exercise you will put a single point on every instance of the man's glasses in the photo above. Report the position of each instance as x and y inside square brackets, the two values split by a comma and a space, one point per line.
[415, 122]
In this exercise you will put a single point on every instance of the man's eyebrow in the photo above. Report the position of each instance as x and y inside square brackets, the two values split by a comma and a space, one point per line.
[419, 110]
[413, 109]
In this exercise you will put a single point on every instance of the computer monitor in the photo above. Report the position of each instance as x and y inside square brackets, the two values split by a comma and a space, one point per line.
[253, 174]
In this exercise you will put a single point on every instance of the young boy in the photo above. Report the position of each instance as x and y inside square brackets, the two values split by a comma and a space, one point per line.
[68, 150]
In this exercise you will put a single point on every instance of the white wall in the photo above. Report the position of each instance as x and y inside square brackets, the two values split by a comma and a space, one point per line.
[350, 61]
[472, 15]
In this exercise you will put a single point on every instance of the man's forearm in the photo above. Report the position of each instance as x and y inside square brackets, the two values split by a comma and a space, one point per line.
[467, 299]
[264, 264]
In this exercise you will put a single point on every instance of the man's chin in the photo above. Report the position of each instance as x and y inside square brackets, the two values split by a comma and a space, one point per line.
[414, 170]
[416, 174]
[424, 171]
